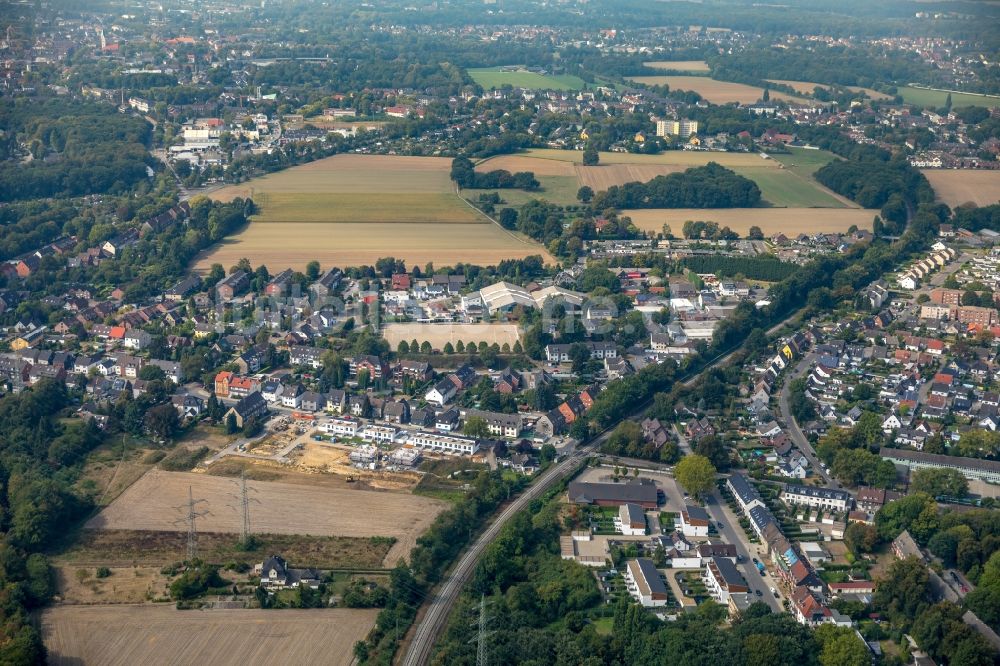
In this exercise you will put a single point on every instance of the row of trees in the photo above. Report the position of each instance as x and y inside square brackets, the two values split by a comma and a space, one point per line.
[464, 173]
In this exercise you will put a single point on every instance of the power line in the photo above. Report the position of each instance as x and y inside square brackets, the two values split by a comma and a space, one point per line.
[191, 519]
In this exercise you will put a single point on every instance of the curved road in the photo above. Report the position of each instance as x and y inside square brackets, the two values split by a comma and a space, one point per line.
[428, 627]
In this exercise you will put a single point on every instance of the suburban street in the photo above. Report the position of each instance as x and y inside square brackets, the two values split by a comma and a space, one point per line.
[428, 627]
[731, 532]
[798, 437]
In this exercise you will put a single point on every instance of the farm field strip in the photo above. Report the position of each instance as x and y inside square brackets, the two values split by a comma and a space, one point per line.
[295, 244]
[349, 210]
[780, 185]
[716, 92]
[152, 504]
[807, 88]
[493, 77]
[958, 186]
[790, 221]
[681, 158]
[401, 208]
[937, 98]
[159, 634]
[679, 65]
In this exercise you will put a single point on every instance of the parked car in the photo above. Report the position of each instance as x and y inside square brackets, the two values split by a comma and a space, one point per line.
[774, 592]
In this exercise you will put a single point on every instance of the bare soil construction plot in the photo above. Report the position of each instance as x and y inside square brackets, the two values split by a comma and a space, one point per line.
[349, 210]
[284, 508]
[160, 634]
[716, 92]
[959, 186]
[789, 221]
[440, 334]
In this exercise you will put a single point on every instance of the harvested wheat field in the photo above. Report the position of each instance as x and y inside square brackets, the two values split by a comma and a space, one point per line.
[716, 92]
[161, 634]
[515, 163]
[157, 500]
[807, 88]
[789, 221]
[958, 186]
[600, 178]
[349, 210]
[679, 65]
[440, 334]
[294, 245]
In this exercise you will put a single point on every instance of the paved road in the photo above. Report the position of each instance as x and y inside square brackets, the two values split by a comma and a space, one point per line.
[732, 533]
[798, 437]
[433, 622]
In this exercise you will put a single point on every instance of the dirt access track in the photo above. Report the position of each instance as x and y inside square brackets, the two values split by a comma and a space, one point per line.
[125, 635]
[158, 502]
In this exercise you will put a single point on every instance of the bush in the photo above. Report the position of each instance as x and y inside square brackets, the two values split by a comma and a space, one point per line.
[103, 572]
[182, 459]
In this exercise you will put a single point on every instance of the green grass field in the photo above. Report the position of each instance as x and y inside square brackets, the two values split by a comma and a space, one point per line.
[783, 188]
[400, 207]
[937, 98]
[804, 162]
[492, 77]
[559, 190]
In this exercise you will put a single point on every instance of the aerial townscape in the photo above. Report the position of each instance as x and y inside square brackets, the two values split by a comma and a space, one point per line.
[471, 332]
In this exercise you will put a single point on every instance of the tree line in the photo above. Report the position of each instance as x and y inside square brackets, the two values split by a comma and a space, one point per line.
[464, 173]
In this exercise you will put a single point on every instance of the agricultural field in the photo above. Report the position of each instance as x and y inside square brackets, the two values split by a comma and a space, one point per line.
[807, 88]
[716, 92]
[600, 178]
[161, 634]
[679, 65]
[493, 77]
[959, 186]
[790, 221]
[280, 508]
[440, 334]
[785, 181]
[349, 210]
[937, 98]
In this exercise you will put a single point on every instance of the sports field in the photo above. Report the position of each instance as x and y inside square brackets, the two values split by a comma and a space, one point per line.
[716, 92]
[790, 221]
[440, 334]
[349, 210]
[785, 182]
[808, 87]
[959, 186]
[679, 65]
[124, 635]
[493, 77]
[938, 98]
